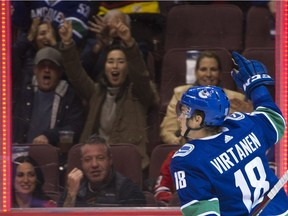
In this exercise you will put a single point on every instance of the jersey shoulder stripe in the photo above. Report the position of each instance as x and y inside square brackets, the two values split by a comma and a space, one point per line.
[204, 207]
[276, 120]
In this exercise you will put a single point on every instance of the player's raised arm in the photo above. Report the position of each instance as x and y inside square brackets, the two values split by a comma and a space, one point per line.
[222, 168]
[251, 76]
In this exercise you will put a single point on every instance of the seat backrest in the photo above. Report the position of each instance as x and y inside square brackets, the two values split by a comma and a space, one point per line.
[259, 22]
[267, 57]
[126, 160]
[158, 156]
[47, 156]
[204, 25]
[74, 158]
[173, 71]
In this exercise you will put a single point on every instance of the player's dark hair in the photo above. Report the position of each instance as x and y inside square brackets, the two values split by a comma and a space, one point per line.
[210, 129]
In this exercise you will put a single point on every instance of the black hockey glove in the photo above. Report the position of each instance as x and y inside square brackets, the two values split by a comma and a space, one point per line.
[248, 74]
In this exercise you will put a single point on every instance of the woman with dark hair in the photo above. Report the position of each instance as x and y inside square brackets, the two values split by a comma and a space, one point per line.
[118, 103]
[27, 184]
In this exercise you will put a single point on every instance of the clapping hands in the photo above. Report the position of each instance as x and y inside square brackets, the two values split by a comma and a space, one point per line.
[106, 31]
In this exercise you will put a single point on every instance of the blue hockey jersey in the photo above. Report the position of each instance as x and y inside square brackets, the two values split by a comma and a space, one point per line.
[228, 173]
[76, 11]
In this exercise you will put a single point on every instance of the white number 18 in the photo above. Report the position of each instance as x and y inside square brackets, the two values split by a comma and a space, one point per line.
[259, 182]
[180, 180]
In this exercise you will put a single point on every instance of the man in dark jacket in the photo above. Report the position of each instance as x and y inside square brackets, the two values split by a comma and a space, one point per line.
[48, 104]
[97, 183]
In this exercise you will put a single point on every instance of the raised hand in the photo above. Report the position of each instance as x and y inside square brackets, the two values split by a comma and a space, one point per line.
[248, 74]
[124, 33]
[100, 29]
[73, 181]
[73, 185]
[66, 31]
[33, 29]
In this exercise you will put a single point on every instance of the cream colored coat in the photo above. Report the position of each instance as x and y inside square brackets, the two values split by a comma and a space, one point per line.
[170, 125]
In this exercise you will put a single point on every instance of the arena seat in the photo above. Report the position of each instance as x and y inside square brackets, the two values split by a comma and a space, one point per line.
[205, 25]
[158, 156]
[259, 22]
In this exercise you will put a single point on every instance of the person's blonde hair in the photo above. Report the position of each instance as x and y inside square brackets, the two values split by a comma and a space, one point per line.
[208, 54]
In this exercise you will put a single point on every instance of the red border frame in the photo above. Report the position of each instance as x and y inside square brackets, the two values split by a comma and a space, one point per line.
[5, 144]
[281, 87]
[5, 90]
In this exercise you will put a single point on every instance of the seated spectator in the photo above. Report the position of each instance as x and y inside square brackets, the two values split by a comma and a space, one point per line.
[98, 183]
[119, 102]
[207, 72]
[47, 103]
[27, 185]
[105, 36]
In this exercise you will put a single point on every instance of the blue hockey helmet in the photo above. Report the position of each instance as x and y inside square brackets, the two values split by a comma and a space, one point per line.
[212, 100]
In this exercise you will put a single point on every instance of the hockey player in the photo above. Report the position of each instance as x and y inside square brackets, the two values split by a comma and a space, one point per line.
[222, 169]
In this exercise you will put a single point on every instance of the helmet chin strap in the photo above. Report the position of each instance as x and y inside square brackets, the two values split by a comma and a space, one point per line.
[191, 129]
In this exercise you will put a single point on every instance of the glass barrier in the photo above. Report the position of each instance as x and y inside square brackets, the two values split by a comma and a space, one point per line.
[6, 151]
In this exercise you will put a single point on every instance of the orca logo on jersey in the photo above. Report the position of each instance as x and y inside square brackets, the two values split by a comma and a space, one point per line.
[184, 150]
[204, 94]
[236, 116]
